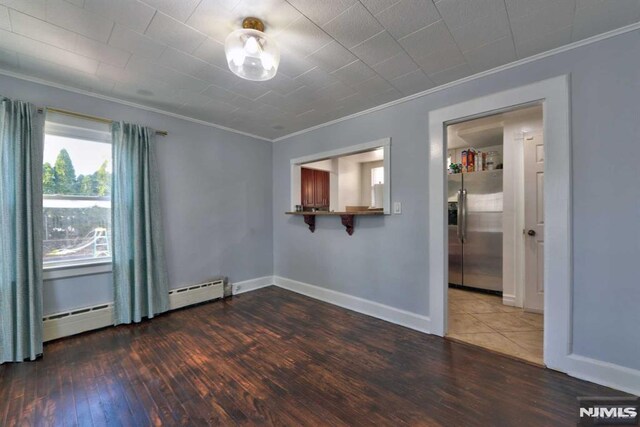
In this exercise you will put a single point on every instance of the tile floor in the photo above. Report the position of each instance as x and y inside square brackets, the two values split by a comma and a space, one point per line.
[483, 320]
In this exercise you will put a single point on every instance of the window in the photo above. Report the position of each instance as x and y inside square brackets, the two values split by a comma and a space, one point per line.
[77, 192]
[377, 177]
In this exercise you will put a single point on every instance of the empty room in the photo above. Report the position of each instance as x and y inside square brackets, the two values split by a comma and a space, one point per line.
[305, 212]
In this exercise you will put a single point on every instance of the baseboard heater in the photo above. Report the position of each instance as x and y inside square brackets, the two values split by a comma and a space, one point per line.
[77, 321]
[80, 320]
[195, 294]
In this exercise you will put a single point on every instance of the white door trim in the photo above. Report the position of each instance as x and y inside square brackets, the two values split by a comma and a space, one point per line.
[554, 95]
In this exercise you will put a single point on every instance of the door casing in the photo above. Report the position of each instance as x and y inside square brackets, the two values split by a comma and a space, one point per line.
[553, 93]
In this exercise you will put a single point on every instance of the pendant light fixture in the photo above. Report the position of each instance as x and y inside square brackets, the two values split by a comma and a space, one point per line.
[251, 54]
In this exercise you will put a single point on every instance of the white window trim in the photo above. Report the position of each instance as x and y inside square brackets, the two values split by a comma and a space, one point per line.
[87, 268]
[296, 166]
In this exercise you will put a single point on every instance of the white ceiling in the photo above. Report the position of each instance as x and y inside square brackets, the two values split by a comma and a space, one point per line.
[489, 131]
[338, 56]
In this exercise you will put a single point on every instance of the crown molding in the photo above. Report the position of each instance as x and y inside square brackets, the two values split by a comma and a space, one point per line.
[565, 48]
[127, 103]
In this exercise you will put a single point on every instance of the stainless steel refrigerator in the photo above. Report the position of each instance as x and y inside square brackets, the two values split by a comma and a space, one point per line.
[475, 203]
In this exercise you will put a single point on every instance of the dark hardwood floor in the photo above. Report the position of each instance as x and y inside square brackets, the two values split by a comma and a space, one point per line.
[276, 357]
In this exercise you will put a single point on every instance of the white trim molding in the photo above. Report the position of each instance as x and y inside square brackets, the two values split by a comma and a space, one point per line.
[76, 270]
[561, 49]
[85, 319]
[554, 95]
[251, 285]
[370, 308]
[127, 103]
[508, 299]
[604, 373]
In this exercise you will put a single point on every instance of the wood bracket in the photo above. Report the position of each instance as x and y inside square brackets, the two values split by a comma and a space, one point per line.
[348, 222]
[310, 220]
[348, 218]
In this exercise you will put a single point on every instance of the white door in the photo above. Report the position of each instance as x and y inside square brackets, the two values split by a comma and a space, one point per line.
[534, 222]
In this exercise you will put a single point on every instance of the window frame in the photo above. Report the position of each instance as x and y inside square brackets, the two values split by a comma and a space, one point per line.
[84, 130]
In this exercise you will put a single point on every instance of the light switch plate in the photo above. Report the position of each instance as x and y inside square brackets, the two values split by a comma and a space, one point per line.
[397, 208]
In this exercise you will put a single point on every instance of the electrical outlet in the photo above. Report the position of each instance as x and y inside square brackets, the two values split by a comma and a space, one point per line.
[397, 208]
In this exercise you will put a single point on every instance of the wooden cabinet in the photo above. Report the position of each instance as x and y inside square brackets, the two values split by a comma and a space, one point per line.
[321, 181]
[315, 188]
[307, 187]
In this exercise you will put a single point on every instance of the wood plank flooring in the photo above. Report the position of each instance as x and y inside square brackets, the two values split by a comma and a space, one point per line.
[276, 357]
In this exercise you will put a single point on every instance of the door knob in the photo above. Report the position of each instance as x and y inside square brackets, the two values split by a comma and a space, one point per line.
[531, 232]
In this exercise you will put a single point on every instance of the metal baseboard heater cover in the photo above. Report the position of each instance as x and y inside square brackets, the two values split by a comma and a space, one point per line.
[77, 321]
[85, 319]
[195, 294]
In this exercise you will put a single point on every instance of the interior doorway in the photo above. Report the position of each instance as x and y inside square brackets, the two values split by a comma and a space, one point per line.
[553, 93]
[495, 229]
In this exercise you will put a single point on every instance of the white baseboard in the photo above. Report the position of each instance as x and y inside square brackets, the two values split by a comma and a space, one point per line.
[509, 300]
[604, 373]
[251, 285]
[370, 308]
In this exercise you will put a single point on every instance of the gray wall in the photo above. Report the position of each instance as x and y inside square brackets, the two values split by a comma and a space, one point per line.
[76, 292]
[386, 258]
[229, 225]
[215, 195]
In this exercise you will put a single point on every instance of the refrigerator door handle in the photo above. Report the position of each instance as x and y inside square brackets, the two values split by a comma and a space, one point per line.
[459, 218]
[463, 226]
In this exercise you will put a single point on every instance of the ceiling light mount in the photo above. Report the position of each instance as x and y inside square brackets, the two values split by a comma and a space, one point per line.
[251, 23]
[251, 54]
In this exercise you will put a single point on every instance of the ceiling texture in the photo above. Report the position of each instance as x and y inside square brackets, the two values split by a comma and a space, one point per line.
[338, 57]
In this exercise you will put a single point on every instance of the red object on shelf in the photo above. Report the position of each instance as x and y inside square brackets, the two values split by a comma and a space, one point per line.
[471, 157]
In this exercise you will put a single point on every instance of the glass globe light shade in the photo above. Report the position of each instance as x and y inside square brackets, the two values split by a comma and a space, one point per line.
[252, 55]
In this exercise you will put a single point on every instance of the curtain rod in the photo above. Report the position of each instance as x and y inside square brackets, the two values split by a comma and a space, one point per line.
[87, 117]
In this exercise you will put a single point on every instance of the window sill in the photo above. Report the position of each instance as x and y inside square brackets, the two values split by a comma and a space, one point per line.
[53, 272]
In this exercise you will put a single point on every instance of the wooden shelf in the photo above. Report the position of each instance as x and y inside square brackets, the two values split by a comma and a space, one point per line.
[348, 218]
[471, 172]
[327, 213]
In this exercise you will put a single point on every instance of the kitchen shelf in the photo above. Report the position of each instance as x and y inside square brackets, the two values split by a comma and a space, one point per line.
[468, 172]
[348, 218]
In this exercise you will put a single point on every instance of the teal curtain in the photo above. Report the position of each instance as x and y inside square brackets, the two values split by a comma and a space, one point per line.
[20, 231]
[139, 271]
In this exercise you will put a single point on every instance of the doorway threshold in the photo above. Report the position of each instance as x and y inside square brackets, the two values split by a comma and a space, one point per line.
[482, 320]
[531, 362]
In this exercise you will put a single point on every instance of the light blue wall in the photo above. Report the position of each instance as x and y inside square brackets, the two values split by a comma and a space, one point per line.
[215, 195]
[228, 224]
[76, 292]
[386, 258]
